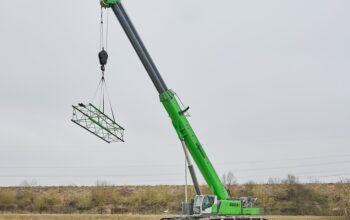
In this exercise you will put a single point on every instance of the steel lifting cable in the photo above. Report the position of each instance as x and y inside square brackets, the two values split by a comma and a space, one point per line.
[92, 117]
[102, 98]
[103, 35]
[109, 101]
[107, 27]
[103, 57]
[102, 91]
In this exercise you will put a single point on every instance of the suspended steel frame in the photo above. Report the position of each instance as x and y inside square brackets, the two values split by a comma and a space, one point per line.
[96, 122]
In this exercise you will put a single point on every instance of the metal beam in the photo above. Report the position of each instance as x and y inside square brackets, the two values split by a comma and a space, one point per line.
[139, 47]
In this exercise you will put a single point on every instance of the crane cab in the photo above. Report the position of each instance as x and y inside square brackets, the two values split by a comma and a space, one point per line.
[209, 204]
[203, 204]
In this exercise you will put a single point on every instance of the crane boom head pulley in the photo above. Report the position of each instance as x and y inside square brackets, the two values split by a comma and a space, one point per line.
[109, 3]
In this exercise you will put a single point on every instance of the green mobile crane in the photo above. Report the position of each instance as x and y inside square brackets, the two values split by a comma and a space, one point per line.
[220, 205]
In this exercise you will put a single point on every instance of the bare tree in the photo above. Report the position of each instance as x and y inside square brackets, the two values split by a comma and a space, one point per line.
[223, 179]
[229, 179]
[26, 183]
[273, 181]
[291, 179]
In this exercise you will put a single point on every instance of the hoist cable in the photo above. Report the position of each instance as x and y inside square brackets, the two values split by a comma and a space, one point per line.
[101, 94]
[107, 28]
[101, 29]
[103, 33]
[109, 100]
[96, 91]
[102, 86]
[103, 91]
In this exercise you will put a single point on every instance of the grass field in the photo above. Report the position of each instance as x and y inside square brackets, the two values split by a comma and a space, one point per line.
[77, 217]
[136, 217]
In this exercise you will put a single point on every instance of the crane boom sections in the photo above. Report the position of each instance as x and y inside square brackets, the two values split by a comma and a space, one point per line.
[171, 104]
[186, 133]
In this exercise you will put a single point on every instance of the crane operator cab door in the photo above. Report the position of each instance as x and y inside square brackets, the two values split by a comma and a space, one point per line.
[203, 204]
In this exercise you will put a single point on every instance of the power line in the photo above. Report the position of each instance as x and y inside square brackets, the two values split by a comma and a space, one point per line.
[293, 173]
[297, 166]
[292, 159]
[91, 176]
[164, 174]
[173, 165]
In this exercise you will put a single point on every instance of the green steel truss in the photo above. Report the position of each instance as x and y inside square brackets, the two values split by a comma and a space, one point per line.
[93, 120]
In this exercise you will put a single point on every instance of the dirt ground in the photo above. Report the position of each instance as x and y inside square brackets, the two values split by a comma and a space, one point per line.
[134, 217]
[75, 217]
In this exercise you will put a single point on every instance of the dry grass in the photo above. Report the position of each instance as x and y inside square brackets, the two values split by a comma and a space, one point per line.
[304, 218]
[133, 217]
[76, 217]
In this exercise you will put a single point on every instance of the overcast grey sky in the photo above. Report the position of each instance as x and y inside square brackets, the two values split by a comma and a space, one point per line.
[267, 83]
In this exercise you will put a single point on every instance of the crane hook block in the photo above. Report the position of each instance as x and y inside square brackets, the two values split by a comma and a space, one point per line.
[103, 57]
